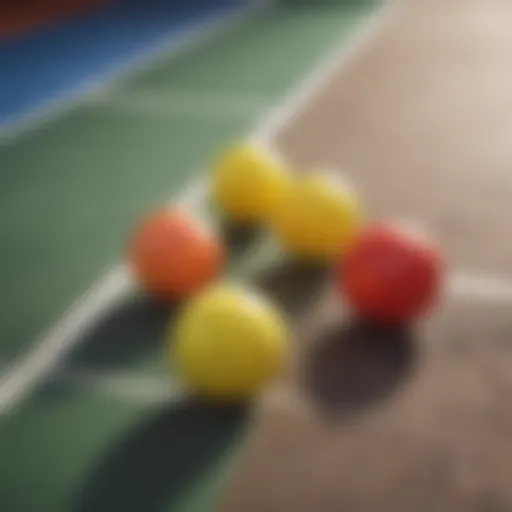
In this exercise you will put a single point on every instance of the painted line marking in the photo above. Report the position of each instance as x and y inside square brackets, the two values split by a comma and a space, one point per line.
[190, 103]
[98, 84]
[122, 386]
[61, 337]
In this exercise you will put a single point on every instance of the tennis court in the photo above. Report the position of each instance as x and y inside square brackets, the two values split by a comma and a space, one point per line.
[413, 101]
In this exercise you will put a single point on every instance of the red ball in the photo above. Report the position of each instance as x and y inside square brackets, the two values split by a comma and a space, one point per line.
[393, 274]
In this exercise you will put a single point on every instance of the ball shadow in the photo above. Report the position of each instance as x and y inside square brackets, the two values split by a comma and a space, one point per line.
[294, 285]
[238, 238]
[129, 331]
[356, 365]
[154, 464]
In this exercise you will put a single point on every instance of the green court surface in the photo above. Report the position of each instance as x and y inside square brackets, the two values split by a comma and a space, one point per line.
[108, 432]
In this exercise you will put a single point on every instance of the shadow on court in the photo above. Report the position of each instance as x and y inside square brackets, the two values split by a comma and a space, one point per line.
[293, 285]
[151, 467]
[355, 365]
[352, 365]
[137, 327]
[238, 239]
[129, 332]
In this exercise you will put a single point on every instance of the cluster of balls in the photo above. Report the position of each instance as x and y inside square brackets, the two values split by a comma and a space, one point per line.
[229, 341]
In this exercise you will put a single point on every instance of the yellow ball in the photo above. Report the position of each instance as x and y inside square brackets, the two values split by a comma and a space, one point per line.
[318, 218]
[229, 343]
[247, 183]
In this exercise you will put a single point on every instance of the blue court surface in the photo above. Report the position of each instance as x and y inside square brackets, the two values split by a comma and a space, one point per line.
[60, 60]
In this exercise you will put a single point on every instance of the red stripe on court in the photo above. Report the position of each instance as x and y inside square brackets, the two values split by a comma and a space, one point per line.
[20, 17]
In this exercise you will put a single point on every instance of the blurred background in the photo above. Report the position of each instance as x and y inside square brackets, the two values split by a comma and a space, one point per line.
[52, 47]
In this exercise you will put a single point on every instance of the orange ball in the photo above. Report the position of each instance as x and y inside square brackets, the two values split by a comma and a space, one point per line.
[173, 255]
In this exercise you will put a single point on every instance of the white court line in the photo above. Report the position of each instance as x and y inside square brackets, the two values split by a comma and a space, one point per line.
[126, 387]
[196, 104]
[53, 345]
[99, 84]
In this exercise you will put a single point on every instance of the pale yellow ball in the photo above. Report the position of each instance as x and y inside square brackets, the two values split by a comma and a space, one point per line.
[247, 183]
[319, 217]
[229, 343]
